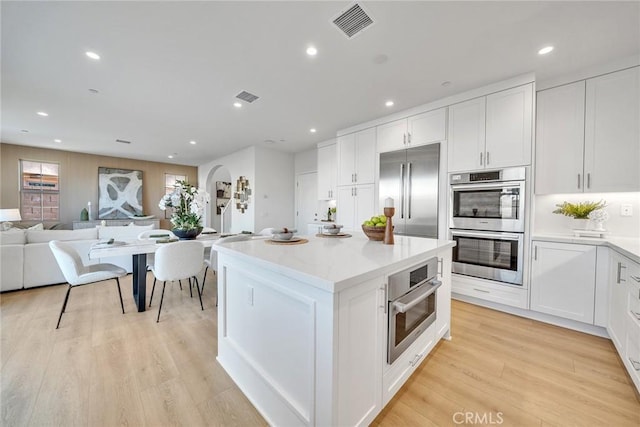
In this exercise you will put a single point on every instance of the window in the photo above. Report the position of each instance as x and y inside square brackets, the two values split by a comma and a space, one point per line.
[39, 191]
[169, 185]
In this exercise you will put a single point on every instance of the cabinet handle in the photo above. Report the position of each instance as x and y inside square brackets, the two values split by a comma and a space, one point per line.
[589, 180]
[409, 137]
[487, 157]
[481, 290]
[535, 253]
[355, 177]
[355, 192]
[409, 191]
[402, 190]
[636, 365]
[480, 159]
[620, 267]
[415, 359]
[404, 139]
[578, 181]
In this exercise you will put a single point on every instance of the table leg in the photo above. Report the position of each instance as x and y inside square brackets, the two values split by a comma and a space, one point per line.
[140, 280]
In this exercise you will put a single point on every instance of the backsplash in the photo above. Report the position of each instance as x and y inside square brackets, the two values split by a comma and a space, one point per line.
[545, 221]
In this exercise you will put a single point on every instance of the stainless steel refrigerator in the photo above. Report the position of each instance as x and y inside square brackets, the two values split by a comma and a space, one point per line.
[410, 177]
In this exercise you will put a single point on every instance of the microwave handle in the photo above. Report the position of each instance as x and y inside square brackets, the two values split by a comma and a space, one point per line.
[484, 186]
[500, 235]
[423, 294]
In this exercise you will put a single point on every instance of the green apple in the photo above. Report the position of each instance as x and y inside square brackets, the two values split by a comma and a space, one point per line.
[375, 219]
[382, 218]
[381, 224]
[368, 224]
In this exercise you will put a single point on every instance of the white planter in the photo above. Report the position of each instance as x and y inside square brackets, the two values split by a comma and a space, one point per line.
[579, 224]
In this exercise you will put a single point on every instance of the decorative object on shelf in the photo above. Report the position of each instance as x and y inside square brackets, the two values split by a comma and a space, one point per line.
[598, 217]
[119, 192]
[89, 214]
[242, 194]
[579, 212]
[188, 203]
[84, 215]
[223, 195]
[389, 211]
[331, 211]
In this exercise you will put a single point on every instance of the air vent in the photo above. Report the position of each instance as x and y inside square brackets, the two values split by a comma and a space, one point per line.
[122, 141]
[352, 21]
[246, 96]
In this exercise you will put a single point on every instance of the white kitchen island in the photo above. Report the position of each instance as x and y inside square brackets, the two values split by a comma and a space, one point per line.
[302, 329]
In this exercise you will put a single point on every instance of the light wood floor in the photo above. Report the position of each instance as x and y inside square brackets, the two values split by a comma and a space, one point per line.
[102, 368]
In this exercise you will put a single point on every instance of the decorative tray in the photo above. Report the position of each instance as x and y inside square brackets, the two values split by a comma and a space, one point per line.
[589, 233]
[108, 244]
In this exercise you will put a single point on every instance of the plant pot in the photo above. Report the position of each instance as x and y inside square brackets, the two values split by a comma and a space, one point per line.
[580, 223]
[190, 234]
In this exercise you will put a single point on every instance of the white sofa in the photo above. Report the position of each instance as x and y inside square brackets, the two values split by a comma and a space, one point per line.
[26, 260]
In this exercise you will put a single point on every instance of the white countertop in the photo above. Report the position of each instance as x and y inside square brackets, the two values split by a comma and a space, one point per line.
[627, 246]
[334, 264]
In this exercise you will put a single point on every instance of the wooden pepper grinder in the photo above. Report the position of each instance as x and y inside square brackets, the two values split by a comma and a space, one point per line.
[389, 211]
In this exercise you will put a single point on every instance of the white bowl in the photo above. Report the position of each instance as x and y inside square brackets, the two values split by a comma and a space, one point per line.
[332, 230]
[283, 236]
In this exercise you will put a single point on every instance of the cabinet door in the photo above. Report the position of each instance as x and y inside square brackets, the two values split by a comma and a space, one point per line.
[618, 295]
[466, 135]
[346, 159]
[365, 156]
[392, 136]
[365, 204]
[509, 121]
[563, 280]
[427, 128]
[560, 139]
[612, 132]
[327, 172]
[360, 350]
[345, 207]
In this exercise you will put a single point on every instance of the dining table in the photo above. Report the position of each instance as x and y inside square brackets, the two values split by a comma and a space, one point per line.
[139, 249]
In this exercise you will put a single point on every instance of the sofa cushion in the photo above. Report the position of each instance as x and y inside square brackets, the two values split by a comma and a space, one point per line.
[122, 232]
[11, 262]
[14, 236]
[45, 236]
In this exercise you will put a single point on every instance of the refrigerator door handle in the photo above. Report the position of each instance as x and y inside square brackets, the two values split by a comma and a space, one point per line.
[401, 190]
[409, 190]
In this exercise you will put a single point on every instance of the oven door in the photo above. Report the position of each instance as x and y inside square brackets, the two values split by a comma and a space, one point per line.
[489, 255]
[496, 206]
[409, 316]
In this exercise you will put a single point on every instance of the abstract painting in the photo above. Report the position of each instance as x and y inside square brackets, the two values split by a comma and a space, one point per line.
[119, 192]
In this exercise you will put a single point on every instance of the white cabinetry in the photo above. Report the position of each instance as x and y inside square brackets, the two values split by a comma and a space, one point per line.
[421, 129]
[563, 280]
[327, 172]
[624, 313]
[357, 157]
[354, 205]
[360, 359]
[493, 131]
[587, 135]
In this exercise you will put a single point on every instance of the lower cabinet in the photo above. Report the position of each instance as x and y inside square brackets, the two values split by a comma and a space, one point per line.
[563, 280]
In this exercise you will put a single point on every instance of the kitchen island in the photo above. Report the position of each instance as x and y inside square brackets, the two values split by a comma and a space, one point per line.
[302, 328]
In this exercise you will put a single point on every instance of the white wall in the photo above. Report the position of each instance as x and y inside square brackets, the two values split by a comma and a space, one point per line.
[547, 222]
[240, 163]
[306, 161]
[274, 189]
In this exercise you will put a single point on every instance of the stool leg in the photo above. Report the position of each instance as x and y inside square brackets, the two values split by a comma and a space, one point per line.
[64, 306]
[180, 281]
[161, 298]
[204, 278]
[190, 288]
[120, 293]
[152, 289]
[199, 293]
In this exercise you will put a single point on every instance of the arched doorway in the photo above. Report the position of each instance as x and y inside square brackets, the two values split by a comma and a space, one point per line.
[218, 173]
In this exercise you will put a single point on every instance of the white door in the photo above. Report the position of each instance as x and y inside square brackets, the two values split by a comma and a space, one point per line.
[427, 128]
[327, 172]
[365, 161]
[346, 159]
[365, 202]
[306, 200]
[392, 136]
[346, 207]
[466, 135]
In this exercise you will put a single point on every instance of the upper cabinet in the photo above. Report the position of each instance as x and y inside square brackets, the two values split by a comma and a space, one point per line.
[493, 131]
[421, 129]
[327, 162]
[357, 157]
[588, 135]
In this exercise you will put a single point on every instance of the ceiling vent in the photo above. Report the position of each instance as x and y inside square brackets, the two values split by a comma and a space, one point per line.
[123, 141]
[353, 20]
[246, 96]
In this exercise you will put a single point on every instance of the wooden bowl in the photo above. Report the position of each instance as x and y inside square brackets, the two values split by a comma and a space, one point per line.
[374, 233]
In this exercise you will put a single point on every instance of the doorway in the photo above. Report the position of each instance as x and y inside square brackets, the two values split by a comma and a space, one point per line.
[306, 200]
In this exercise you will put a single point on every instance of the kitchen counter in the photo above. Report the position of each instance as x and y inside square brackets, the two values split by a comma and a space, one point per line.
[302, 328]
[627, 246]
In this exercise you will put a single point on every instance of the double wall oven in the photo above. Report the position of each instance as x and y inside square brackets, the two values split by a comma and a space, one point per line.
[487, 222]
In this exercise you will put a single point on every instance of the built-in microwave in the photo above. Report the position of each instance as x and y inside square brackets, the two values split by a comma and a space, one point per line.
[488, 200]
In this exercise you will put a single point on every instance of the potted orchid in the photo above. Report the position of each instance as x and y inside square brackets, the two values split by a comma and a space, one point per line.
[188, 203]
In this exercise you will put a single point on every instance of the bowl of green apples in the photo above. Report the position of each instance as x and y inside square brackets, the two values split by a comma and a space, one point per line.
[374, 227]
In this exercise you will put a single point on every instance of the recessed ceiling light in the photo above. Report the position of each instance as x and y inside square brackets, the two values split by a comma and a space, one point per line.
[42, 113]
[192, 142]
[312, 130]
[170, 156]
[389, 103]
[312, 51]
[237, 105]
[57, 140]
[92, 55]
[545, 50]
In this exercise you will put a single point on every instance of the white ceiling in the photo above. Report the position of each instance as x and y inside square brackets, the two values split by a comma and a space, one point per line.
[169, 71]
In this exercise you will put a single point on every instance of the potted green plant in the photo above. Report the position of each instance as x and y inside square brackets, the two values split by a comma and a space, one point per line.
[188, 203]
[579, 211]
